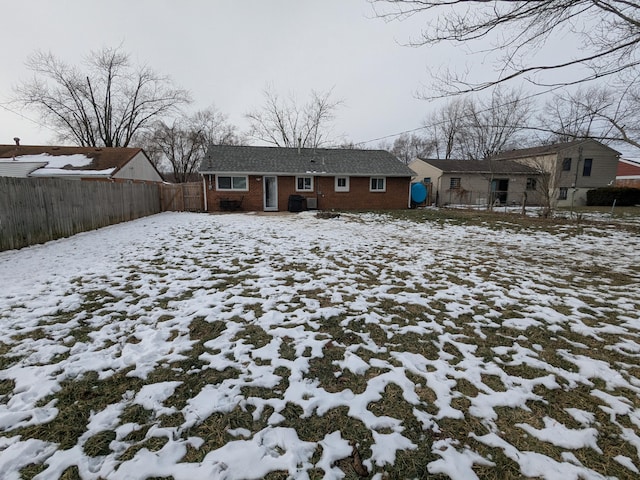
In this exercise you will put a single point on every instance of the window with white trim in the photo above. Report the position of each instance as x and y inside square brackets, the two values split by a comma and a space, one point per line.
[342, 184]
[230, 182]
[304, 184]
[378, 184]
[455, 183]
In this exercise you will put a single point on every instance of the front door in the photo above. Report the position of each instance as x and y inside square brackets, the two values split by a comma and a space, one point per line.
[270, 189]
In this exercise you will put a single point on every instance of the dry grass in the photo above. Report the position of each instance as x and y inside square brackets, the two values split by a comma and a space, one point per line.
[476, 340]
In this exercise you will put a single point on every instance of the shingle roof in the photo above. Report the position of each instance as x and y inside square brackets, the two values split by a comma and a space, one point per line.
[101, 158]
[480, 166]
[547, 149]
[288, 161]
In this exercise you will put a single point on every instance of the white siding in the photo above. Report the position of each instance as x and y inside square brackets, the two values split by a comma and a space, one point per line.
[18, 169]
[424, 170]
[138, 168]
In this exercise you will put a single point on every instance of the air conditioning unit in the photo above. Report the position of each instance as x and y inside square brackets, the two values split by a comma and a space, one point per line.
[312, 203]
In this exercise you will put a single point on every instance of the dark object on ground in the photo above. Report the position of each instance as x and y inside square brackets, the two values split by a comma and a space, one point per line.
[230, 205]
[327, 215]
[358, 467]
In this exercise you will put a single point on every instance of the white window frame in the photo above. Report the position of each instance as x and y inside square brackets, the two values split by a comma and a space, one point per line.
[306, 188]
[344, 188]
[233, 189]
[376, 189]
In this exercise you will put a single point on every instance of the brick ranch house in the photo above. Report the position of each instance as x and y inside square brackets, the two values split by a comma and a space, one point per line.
[254, 178]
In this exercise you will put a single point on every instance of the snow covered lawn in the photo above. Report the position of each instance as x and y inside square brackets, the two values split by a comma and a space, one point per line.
[239, 346]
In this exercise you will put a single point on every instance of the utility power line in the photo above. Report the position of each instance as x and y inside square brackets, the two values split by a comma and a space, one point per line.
[4, 106]
[435, 124]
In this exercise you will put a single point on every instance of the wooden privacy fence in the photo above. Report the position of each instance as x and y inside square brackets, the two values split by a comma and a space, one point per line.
[182, 197]
[34, 210]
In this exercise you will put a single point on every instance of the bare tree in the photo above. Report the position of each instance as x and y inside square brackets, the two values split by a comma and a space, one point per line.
[606, 113]
[183, 142]
[350, 144]
[494, 124]
[407, 147]
[110, 103]
[570, 116]
[477, 128]
[446, 125]
[608, 31]
[547, 183]
[282, 122]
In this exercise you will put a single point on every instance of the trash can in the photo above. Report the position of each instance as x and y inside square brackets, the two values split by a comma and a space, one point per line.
[297, 203]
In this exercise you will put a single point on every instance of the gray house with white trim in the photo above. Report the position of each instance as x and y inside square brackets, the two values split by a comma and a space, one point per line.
[477, 182]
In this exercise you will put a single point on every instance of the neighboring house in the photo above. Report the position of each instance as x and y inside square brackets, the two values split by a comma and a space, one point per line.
[271, 178]
[477, 182]
[77, 163]
[572, 168]
[628, 174]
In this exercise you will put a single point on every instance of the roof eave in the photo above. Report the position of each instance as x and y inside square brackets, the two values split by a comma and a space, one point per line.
[317, 174]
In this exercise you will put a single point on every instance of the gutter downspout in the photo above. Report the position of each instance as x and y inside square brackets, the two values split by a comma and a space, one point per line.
[204, 188]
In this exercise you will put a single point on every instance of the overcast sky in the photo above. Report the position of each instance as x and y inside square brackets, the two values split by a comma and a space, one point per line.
[227, 51]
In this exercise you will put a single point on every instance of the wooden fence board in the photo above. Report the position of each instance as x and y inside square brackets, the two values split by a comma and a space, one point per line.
[36, 210]
[182, 197]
